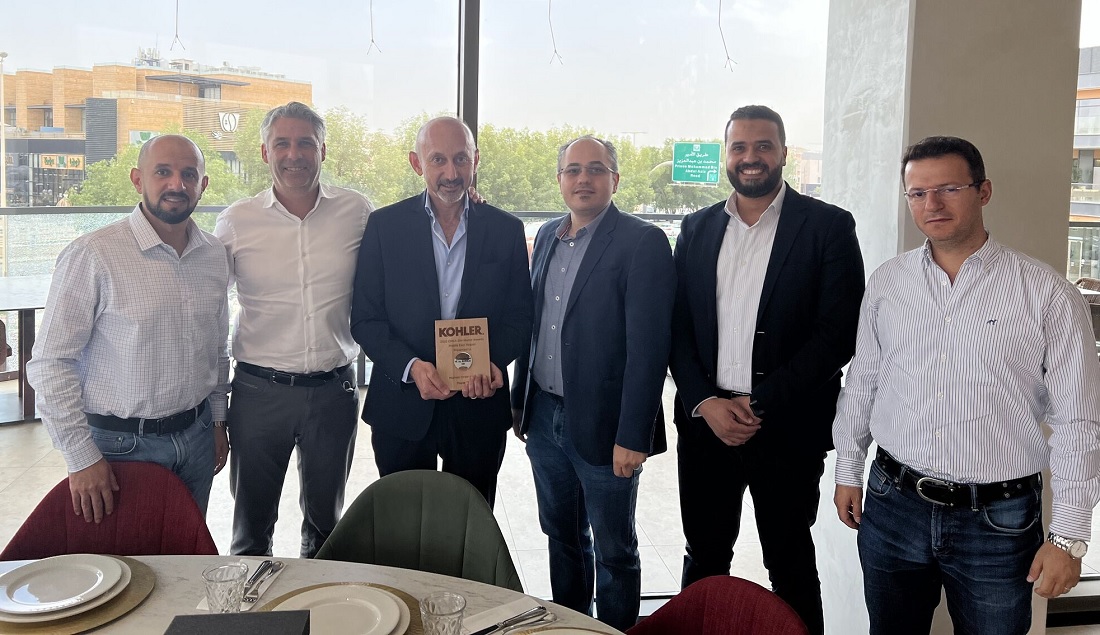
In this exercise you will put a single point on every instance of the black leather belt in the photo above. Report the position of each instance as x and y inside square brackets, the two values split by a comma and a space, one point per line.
[308, 380]
[730, 394]
[941, 492]
[144, 427]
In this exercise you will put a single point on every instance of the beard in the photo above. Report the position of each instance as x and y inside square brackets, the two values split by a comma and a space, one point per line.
[756, 188]
[172, 217]
[450, 196]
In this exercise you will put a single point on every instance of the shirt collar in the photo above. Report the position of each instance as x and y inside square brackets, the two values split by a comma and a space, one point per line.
[775, 207]
[325, 191]
[147, 237]
[985, 256]
[590, 228]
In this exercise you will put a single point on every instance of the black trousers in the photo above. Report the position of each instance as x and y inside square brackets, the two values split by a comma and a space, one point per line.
[267, 421]
[785, 494]
[473, 450]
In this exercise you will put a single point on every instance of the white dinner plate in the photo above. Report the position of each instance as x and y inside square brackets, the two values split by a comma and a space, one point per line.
[406, 617]
[57, 583]
[119, 587]
[347, 609]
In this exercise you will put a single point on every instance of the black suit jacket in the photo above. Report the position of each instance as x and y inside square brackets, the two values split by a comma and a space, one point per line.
[615, 337]
[396, 302]
[805, 327]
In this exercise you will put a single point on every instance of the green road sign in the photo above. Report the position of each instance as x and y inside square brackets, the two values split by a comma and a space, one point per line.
[698, 163]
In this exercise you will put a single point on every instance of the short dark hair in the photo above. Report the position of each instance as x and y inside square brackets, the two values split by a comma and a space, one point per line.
[758, 112]
[612, 153]
[933, 147]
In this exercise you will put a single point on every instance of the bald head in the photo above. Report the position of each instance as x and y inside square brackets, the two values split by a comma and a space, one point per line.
[171, 177]
[443, 124]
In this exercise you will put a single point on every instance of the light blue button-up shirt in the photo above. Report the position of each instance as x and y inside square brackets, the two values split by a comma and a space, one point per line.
[450, 262]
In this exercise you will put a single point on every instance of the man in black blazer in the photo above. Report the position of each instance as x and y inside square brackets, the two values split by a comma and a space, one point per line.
[436, 256]
[588, 392]
[770, 283]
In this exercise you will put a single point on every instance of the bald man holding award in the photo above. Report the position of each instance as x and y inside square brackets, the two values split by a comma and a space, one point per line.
[442, 305]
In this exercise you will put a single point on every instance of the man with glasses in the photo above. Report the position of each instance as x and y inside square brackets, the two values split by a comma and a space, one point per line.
[965, 348]
[766, 309]
[292, 250]
[440, 256]
[588, 393]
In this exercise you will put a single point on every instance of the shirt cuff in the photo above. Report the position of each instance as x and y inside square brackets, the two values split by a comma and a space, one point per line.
[849, 471]
[695, 412]
[408, 368]
[218, 407]
[85, 455]
[1071, 522]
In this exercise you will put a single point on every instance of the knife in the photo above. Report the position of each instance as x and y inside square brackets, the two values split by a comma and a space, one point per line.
[264, 566]
[526, 615]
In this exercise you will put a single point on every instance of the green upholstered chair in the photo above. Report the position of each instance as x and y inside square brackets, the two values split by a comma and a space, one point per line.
[428, 521]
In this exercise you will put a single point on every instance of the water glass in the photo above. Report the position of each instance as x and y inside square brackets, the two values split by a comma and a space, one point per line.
[225, 587]
[441, 613]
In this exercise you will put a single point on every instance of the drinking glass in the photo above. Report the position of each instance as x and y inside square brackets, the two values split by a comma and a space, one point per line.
[225, 586]
[441, 613]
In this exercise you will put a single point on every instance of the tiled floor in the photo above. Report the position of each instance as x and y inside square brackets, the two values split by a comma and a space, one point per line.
[29, 467]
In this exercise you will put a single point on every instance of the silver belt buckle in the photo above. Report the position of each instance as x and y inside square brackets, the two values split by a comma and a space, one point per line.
[934, 481]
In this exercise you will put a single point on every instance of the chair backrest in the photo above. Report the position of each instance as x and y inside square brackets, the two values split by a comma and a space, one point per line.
[1092, 284]
[722, 605]
[428, 521]
[154, 515]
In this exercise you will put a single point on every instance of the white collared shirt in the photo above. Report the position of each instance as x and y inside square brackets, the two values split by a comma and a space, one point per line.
[294, 278]
[742, 264]
[131, 329]
[954, 380]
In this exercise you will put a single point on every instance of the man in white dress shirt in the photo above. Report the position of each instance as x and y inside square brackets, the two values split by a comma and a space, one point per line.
[131, 361]
[965, 347]
[292, 251]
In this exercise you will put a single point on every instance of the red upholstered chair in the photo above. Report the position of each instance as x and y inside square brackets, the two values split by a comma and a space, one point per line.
[722, 605]
[154, 515]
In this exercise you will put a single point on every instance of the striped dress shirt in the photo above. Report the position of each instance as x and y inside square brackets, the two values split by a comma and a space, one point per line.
[131, 329]
[954, 380]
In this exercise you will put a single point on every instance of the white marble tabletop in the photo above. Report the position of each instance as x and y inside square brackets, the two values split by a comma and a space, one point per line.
[179, 588]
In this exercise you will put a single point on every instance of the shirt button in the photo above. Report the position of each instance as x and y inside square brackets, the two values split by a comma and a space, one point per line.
[557, 298]
[563, 269]
[943, 283]
[947, 319]
[939, 434]
[553, 327]
[446, 295]
[549, 357]
[939, 395]
[571, 243]
[943, 358]
[448, 263]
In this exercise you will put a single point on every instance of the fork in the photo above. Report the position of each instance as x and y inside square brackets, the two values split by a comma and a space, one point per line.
[542, 620]
[254, 593]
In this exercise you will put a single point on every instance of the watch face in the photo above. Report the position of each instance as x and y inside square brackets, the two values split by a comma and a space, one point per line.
[1078, 548]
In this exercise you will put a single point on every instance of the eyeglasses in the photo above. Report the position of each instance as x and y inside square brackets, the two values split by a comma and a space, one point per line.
[594, 171]
[947, 193]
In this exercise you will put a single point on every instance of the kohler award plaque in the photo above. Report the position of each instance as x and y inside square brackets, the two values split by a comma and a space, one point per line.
[461, 350]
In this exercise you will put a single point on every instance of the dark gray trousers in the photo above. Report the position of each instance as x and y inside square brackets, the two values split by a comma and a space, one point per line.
[266, 422]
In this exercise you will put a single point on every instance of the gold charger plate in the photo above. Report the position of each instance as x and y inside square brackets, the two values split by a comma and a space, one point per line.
[142, 581]
[416, 626]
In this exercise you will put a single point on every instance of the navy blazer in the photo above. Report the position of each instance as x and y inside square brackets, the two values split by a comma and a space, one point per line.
[395, 304]
[615, 337]
[805, 326]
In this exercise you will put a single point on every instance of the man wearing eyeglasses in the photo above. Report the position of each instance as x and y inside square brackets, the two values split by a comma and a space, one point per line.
[766, 308]
[965, 348]
[440, 256]
[587, 398]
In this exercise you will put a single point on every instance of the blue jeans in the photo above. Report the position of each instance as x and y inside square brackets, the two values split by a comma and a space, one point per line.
[576, 502]
[910, 548]
[188, 453]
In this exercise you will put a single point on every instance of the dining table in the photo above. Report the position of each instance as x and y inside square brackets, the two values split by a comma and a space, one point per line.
[24, 295]
[177, 589]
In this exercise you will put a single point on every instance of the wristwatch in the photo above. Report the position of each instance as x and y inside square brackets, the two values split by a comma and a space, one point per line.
[1075, 548]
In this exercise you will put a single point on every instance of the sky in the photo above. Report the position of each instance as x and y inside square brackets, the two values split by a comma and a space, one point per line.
[651, 69]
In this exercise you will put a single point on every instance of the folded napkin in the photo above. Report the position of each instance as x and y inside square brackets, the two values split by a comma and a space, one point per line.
[491, 617]
[252, 564]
